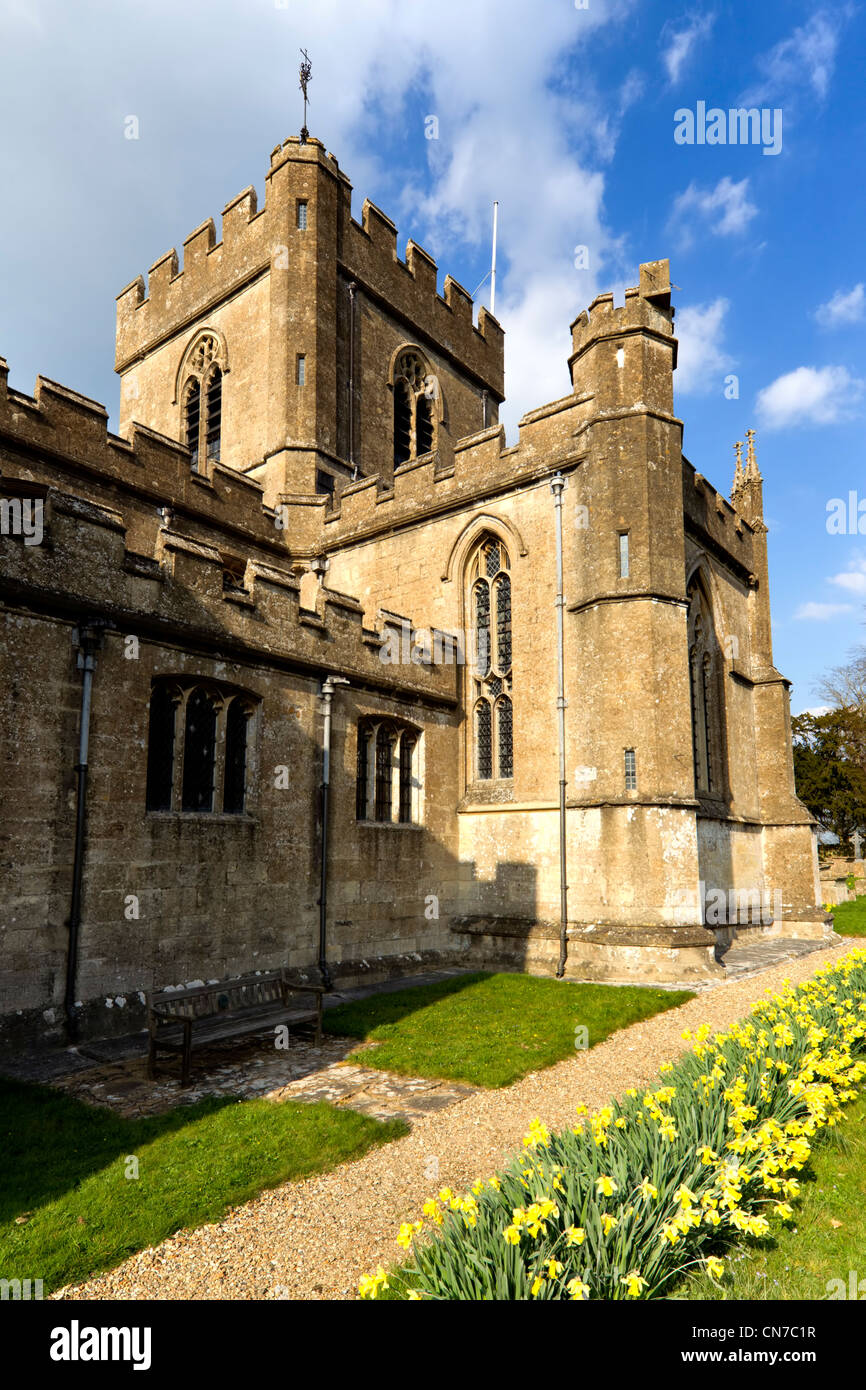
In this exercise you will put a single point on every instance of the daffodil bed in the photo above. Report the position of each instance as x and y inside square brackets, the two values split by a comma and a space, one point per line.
[657, 1184]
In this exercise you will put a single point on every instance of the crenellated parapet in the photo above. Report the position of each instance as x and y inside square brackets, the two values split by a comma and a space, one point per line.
[211, 271]
[626, 355]
[58, 431]
[256, 240]
[717, 525]
[473, 468]
[368, 254]
[82, 565]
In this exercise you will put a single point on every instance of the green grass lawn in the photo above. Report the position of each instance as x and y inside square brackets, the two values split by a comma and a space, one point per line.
[849, 919]
[826, 1240]
[490, 1030]
[65, 1164]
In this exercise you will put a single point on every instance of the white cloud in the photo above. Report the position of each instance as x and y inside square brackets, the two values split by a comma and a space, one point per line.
[809, 396]
[487, 69]
[681, 43]
[821, 612]
[724, 210]
[853, 579]
[547, 207]
[701, 360]
[843, 308]
[806, 58]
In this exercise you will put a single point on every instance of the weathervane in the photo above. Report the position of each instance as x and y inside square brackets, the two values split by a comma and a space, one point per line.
[306, 72]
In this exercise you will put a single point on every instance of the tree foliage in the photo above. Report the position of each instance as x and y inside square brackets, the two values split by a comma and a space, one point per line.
[830, 767]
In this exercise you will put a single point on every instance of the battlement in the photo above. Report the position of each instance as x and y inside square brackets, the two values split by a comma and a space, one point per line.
[211, 271]
[61, 430]
[717, 523]
[475, 466]
[647, 308]
[368, 255]
[83, 565]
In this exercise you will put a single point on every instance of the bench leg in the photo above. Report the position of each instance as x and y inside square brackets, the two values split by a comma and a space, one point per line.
[187, 1049]
[151, 1060]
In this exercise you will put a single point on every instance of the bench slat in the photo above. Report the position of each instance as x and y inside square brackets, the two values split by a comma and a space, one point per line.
[215, 1029]
[183, 1019]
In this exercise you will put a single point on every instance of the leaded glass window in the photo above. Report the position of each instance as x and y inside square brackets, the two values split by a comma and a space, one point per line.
[234, 783]
[198, 753]
[214, 414]
[384, 774]
[160, 749]
[192, 420]
[362, 777]
[387, 786]
[491, 674]
[706, 695]
[407, 748]
[505, 736]
[483, 743]
[630, 770]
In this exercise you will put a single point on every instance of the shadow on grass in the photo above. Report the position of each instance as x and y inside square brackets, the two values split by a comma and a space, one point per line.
[81, 1189]
[52, 1142]
[357, 1018]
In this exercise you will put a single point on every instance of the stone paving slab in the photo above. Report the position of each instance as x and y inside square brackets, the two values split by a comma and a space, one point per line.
[742, 961]
[255, 1069]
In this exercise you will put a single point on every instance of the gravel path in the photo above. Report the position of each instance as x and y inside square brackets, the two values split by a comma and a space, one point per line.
[315, 1238]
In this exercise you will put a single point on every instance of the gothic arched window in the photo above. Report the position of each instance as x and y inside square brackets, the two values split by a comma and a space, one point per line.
[704, 679]
[490, 606]
[198, 753]
[202, 374]
[416, 395]
[388, 785]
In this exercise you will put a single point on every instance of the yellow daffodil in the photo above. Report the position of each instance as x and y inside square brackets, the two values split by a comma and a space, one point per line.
[634, 1283]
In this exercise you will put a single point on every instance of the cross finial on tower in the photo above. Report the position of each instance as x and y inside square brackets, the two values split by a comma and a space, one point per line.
[751, 461]
[306, 75]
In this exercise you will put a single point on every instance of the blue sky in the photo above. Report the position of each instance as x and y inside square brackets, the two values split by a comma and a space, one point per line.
[567, 116]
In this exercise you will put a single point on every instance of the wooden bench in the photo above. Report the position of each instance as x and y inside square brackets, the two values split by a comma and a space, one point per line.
[181, 1019]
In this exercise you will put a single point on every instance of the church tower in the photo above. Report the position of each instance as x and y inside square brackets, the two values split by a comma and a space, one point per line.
[300, 349]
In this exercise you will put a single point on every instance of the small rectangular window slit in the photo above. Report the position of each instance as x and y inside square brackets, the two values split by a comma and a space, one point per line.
[623, 554]
[630, 770]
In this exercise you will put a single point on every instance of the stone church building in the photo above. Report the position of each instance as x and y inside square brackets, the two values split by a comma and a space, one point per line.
[310, 482]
